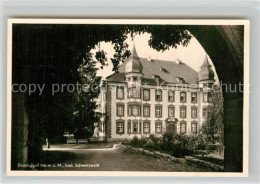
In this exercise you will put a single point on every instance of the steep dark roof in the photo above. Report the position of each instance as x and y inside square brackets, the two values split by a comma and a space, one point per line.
[206, 73]
[117, 77]
[205, 62]
[154, 67]
[133, 64]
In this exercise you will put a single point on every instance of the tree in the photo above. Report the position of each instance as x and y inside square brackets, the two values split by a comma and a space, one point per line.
[213, 128]
[86, 104]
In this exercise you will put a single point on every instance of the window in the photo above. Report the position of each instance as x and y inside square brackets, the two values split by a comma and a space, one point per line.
[183, 127]
[130, 93]
[182, 97]
[193, 97]
[183, 112]
[146, 127]
[194, 128]
[158, 111]
[120, 127]
[129, 127]
[136, 93]
[158, 95]
[147, 111]
[171, 111]
[134, 110]
[133, 92]
[120, 92]
[146, 94]
[120, 110]
[209, 97]
[194, 112]
[204, 112]
[134, 78]
[158, 127]
[205, 97]
[170, 96]
[135, 127]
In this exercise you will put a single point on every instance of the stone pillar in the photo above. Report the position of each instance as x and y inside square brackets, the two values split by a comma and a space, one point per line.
[139, 127]
[19, 129]
[233, 128]
[132, 127]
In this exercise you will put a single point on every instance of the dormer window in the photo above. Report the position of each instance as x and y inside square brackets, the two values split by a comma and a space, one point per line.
[156, 78]
[180, 80]
[163, 70]
[134, 78]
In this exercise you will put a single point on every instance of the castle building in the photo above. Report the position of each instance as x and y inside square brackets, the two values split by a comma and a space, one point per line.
[145, 96]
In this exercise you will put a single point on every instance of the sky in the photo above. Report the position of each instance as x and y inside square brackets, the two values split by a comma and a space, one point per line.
[192, 55]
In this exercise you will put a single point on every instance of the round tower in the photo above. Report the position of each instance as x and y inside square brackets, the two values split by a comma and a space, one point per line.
[206, 75]
[134, 73]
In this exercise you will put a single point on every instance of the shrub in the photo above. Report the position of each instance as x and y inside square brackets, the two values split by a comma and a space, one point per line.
[167, 141]
[149, 144]
[135, 142]
[177, 145]
[180, 147]
[154, 139]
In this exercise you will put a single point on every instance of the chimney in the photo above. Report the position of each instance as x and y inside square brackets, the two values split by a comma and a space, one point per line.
[178, 61]
[150, 59]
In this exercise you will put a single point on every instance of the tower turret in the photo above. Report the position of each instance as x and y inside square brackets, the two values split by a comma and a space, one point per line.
[133, 73]
[206, 74]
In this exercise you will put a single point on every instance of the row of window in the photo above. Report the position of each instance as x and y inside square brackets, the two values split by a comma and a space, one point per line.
[135, 92]
[135, 110]
[132, 128]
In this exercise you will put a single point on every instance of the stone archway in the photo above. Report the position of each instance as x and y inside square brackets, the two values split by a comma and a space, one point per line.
[225, 46]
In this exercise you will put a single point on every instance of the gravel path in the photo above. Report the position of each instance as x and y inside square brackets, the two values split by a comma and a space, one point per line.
[114, 160]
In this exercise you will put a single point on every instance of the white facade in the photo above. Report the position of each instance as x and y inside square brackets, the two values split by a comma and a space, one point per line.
[131, 113]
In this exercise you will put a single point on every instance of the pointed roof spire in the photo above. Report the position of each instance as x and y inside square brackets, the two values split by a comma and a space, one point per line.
[134, 54]
[133, 64]
[205, 62]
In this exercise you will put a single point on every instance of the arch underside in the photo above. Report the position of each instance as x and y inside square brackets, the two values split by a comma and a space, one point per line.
[224, 45]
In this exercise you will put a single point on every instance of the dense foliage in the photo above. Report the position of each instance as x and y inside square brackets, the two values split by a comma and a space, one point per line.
[213, 128]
